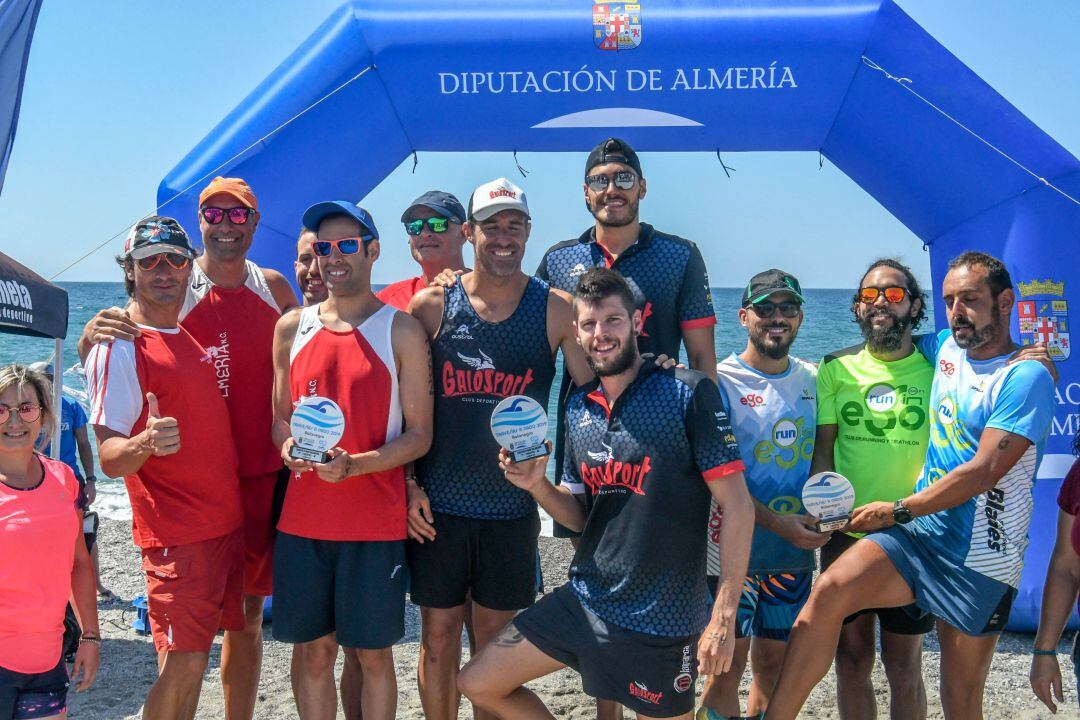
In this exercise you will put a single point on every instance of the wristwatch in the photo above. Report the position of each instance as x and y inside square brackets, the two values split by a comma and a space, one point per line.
[900, 514]
[91, 479]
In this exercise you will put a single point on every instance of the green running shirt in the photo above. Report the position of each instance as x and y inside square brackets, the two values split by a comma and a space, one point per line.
[880, 410]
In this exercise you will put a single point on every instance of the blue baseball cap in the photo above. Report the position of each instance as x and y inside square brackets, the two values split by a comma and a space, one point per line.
[318, 212]
[440, 202]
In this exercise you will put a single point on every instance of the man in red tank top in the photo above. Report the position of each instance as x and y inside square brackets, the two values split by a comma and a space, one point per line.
[230, 308]
[161, 422]
[340, 553]
[433, 224]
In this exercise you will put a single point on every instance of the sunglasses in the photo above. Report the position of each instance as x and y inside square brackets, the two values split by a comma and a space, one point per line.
[28, 412]
[345, 246]
[175, 260]
[768, 309]
[893, 294]
[624, 180]
[237, 215]
[437, 225]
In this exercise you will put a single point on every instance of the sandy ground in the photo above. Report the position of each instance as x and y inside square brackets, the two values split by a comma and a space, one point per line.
[128, 663]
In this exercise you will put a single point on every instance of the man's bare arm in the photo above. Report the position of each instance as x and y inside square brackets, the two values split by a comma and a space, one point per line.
[701, 350]
[281, 290]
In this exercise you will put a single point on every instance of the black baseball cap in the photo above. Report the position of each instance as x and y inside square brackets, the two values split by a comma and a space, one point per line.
[613, 150]
[440, 202]
[772, 281]
[157, 234]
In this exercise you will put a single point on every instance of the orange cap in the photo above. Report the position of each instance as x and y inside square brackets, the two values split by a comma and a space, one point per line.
[230, 186]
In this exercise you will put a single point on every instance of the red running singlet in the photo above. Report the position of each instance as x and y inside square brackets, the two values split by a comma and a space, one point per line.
[236, 326]
[357, 370]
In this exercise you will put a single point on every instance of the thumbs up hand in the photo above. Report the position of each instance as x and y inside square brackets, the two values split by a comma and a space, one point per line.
[162, 434]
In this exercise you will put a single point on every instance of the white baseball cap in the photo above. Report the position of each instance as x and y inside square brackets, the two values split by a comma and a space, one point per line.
[494, 196]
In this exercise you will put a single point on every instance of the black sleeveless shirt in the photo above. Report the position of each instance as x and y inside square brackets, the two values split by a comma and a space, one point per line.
[476, 364]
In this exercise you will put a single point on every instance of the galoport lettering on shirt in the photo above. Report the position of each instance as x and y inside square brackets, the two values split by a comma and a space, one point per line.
[483, 381]
[616, 473]
[641, 692]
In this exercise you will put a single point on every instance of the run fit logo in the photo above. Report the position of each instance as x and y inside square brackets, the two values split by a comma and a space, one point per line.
[612, 473]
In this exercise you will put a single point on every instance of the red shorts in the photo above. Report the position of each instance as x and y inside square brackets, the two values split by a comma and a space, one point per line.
[195, 590]
[257, 496]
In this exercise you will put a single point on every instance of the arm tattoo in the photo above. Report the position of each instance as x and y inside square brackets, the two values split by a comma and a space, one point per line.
[1004, 443]
[509, 637]
[431, 372]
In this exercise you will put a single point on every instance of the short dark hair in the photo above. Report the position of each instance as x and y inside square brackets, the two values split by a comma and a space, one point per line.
[600, 283]
[997, 275]
[913, 288]
[126, 264]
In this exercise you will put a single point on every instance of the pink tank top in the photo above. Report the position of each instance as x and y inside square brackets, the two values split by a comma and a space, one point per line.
[38, 529]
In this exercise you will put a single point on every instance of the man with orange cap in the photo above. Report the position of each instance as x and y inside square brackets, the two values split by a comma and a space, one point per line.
[231, 308]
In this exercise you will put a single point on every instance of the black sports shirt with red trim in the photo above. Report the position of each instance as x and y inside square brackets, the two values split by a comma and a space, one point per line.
[642, 465]
[666, 273]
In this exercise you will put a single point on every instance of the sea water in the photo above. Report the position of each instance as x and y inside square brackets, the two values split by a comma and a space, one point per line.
[828, 326]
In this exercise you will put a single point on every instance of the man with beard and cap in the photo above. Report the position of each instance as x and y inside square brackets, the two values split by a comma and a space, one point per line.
[771, 404]
[872, 428]
[647, 449]
[954, 547]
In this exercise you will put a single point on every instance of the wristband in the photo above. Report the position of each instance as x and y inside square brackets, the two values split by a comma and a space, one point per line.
[1037, 651]
[90, 639]
[91, 478]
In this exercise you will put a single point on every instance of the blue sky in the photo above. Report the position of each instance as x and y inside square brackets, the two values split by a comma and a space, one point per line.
[117, 92]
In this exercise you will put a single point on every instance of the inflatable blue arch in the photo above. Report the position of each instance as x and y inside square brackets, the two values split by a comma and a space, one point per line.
[857, 80]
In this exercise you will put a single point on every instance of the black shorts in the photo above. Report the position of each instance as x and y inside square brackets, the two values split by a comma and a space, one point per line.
[353, 588]
[33, 695]
[494, 559]
[649, 674]
[907, 620]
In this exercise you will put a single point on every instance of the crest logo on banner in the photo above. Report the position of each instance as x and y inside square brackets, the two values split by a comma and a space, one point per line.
[616, 26]
[1044, 317]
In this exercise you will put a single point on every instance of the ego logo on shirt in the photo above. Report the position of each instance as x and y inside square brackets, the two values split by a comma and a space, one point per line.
[788, 444]
[884, 407]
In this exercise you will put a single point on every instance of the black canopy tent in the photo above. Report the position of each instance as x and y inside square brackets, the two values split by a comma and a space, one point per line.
[31, 305]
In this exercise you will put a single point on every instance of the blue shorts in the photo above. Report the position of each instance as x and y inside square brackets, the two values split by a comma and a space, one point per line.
[968, 600]
[353, 588]
[769, 604]
[649, 674]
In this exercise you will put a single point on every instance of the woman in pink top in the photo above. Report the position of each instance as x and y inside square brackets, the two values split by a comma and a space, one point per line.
[43, 559]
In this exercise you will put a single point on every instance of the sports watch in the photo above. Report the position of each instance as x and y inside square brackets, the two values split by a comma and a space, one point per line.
[900, 514]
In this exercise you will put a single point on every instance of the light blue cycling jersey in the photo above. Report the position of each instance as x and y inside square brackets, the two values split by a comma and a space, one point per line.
[774, 419]
[987, 534]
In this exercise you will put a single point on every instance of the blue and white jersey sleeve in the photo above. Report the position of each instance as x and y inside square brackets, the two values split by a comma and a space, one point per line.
[930, 343]
[1025, 402]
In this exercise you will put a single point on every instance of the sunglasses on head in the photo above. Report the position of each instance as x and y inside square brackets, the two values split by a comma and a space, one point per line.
[437, 225]
[176, 261]
[345, 246]
[28, 412]
[237, 215]
[624, 180]
[892, 294]
[767, 309]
